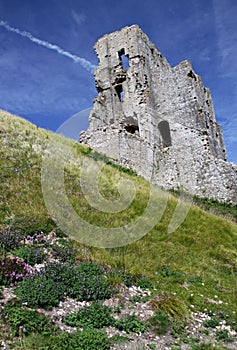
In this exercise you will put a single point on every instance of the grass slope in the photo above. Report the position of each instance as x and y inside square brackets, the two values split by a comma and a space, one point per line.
[198, 261]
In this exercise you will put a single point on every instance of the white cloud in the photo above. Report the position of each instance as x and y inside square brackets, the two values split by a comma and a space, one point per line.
[79, 18]
[42, 87]
[82, 61]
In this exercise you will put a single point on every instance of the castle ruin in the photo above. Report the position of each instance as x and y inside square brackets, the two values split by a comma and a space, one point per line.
[157, 119]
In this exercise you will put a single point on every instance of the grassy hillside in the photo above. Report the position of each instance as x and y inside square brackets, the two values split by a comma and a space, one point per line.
[197, 262]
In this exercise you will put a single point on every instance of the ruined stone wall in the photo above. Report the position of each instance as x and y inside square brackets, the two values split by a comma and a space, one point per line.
[157, 119]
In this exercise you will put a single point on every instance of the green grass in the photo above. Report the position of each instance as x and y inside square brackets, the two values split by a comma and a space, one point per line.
[198, 262]
[226, 210]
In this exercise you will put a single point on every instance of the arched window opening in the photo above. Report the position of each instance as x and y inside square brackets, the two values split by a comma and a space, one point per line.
[164, 129]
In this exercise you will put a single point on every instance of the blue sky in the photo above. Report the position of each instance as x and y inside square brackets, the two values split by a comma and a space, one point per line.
[47, 86]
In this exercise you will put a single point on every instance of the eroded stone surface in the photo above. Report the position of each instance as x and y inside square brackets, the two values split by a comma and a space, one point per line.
[156, 119]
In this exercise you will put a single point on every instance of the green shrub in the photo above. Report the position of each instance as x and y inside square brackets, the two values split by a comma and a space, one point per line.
[139, 299]
[118, 276]
[64, 251]
[95, 316]
[131, 323]
[223, 335]
[39, 290]
[88, 339]
[117, 338]
[86, 150]
[30, 254]
[174, 308]
[166, 271]
[123, 169]
[9, 239]
[170, 305]
[98, 156]
[159, 323]
[127, 278]
[89, 283]
[26, 321]
[117, 309]
[228, 210]
[151, 346]
[60, 273]
[29, 226]
[85, 281]
[59, 233]
[212, 323]
[206, 346]
[144, 283]
[49, 286]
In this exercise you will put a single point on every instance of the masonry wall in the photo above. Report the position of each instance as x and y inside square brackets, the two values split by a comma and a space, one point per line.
[157, 119]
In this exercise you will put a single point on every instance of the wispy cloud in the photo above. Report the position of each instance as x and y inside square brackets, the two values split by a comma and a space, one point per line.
[82, 61]
[225, 20]
[79, 18]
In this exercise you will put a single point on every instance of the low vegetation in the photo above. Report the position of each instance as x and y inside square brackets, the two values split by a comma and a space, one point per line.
[189, 273]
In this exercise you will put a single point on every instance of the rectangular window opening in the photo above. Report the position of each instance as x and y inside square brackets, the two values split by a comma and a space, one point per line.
[124, 59]
[164, 129]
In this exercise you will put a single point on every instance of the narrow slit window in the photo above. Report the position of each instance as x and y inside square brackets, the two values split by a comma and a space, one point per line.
[164, 129]
[123, 59]
[119, 90]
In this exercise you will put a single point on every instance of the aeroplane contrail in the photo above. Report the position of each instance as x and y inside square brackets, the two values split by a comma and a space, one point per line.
[82, 61]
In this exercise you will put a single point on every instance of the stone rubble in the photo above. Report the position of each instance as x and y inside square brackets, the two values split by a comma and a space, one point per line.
[141, 309]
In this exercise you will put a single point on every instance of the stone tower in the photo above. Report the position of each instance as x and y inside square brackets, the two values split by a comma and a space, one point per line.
[157, 119]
